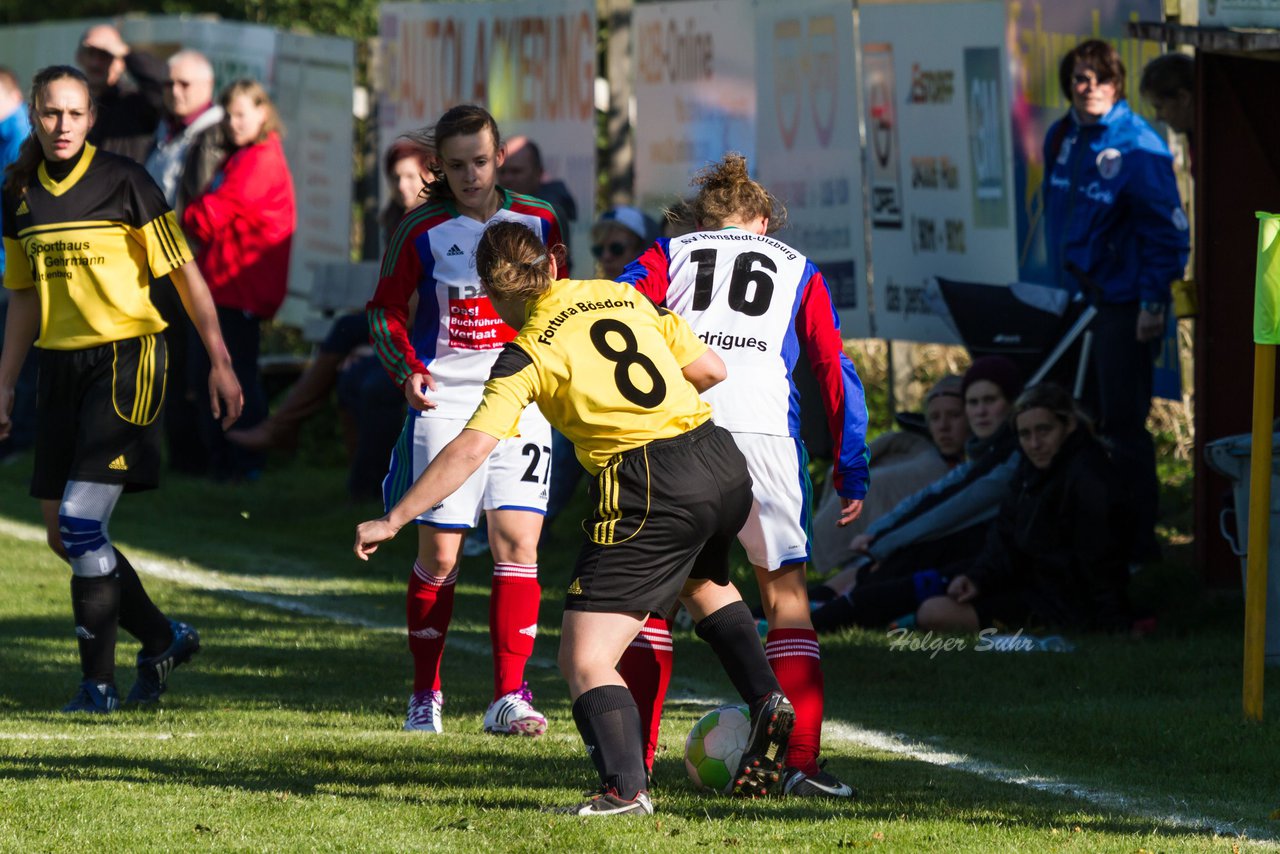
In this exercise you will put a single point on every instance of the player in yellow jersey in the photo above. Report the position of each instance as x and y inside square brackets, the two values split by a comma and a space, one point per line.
[84, 230]
[620, 378]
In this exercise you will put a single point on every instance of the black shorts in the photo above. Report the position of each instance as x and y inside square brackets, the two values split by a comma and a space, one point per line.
[660, 508]
[97, 414]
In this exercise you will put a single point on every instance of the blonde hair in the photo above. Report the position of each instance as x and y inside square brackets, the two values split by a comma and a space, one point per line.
[254, 91]
[512, 263]
[727, 192]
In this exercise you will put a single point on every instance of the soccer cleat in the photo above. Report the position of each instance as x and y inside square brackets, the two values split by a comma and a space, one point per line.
[771, 722]
[424, 712]
[153, 671]
[97, 698]
[514, 714]
[607, 802]
[797, 784]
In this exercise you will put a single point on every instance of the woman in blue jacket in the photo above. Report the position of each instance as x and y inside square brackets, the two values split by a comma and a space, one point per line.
[1114, 222]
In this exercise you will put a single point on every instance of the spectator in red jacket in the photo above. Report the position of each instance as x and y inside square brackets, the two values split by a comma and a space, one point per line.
[244, 227]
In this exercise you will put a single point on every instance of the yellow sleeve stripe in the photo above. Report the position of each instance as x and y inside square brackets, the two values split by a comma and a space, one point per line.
[170, 240]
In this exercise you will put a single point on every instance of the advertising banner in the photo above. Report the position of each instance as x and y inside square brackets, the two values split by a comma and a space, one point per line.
[695, 91]
[532, 64]
[937, 150]
[314, 81]
[807, 146]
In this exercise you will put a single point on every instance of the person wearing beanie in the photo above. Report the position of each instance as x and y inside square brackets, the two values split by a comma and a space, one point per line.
[947, 520]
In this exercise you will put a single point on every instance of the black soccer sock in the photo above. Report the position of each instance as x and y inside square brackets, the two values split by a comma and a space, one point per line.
[732, 634]
[139, 616]
[95, 603]
[609, 721]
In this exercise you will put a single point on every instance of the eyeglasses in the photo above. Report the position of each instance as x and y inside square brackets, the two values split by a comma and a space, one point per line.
[615, 247]
[1090, 79]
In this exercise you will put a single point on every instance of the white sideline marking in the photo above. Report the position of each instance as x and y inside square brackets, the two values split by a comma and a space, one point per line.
[832, 730]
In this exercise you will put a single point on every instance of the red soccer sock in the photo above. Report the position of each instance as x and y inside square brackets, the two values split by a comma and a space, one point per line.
[428, 608]
[793, 654]
[513, 623]
[646, 668]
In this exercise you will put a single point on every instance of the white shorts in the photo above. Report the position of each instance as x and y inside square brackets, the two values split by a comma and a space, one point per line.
[515, 477]
[777, 531]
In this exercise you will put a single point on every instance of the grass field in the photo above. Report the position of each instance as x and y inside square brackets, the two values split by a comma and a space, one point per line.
[283, 734]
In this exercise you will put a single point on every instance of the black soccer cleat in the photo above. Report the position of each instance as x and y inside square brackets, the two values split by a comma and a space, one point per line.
[153, 671]
[772, 720]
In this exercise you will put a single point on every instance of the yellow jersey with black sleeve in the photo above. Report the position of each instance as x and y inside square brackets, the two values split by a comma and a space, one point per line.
[603, 363]
[89, 242]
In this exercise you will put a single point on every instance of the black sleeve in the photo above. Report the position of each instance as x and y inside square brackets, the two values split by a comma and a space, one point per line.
[150, 73]
[995, 566]
[143, 198]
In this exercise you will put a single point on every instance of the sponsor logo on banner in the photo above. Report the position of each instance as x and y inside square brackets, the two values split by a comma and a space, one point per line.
[788, 72]
[823, 82]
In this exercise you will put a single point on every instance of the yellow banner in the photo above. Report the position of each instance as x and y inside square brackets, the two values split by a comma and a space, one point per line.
[1266, 299]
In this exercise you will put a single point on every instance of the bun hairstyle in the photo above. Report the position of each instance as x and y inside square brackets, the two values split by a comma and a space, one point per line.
[726, 192]
[23, 169]
[512, 263]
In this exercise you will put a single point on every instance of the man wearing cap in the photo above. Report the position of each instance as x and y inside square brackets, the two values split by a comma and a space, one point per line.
[618, 238]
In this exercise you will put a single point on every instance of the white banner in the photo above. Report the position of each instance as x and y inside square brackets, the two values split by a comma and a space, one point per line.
[314, 81]
[532, 64]
[937, 114]
[807, 147]
[695, 90]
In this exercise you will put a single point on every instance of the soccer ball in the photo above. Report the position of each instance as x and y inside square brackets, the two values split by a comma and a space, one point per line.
[713, 750]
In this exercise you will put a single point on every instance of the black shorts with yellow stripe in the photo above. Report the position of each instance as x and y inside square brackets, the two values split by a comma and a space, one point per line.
[662, 511]
[97, 415]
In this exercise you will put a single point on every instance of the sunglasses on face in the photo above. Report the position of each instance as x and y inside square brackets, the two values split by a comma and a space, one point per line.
[615, 247]
[1089, 79]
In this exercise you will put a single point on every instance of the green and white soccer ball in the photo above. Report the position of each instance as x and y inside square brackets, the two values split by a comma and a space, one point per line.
[713, 750]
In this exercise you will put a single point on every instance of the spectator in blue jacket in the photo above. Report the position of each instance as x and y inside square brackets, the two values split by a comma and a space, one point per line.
[15, 126]
[1114, 222]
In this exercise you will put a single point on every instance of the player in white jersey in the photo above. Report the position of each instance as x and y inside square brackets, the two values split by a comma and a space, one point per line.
[438, 336]
[762, 305]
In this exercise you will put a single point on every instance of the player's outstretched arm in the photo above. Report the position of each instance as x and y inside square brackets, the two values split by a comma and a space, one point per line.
[20, 330]
[226, 398]
[448, 471]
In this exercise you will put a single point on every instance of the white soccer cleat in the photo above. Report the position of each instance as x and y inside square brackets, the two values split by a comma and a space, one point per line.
[514, 714]
[424, 712]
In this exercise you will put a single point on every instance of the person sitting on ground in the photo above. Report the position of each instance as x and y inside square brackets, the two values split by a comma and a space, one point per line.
[1058, 552]
[1055, 556]
[947, 519]
[902, 462]
[371, 408]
